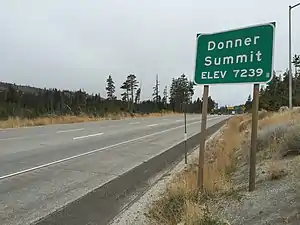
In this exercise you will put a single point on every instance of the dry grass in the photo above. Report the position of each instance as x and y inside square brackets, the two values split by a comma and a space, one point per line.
[195, 214]
[222, 158]
[17, 122]
[182, 202]
[279, 135]
[279, 118]
[276, 169]
[296, 167]
[192, 212]
[156, 114]
[172, 206]
[14, 122]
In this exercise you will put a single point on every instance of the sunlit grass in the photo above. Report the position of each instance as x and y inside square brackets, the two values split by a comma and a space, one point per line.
[14, 122]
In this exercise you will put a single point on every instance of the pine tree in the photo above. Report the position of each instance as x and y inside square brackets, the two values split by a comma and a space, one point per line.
[296, 62]
[248, 103]
[125, 94]
[132, 85]
[210, 104]
[155, 94]
[110, 88]
[275, 94]
[165, 97]
[181, 92]
[172, 97]
[138, 96]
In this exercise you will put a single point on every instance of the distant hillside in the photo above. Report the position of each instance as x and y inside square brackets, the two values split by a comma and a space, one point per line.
[23, 88]
[30, 90]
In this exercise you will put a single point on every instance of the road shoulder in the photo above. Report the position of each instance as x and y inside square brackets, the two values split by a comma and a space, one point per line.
[135, 213]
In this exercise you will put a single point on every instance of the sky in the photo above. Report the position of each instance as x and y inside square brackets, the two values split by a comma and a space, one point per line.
[72, 44]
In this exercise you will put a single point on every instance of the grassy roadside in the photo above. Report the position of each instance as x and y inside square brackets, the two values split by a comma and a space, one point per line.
[14, 122]
[182, 202]
[226, 171]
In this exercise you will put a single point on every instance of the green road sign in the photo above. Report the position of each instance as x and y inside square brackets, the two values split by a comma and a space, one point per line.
[237, 108]
[236, 56]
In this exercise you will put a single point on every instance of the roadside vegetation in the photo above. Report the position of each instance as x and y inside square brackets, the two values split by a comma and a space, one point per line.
[182, 202]
[225, 199]
[14, 122]
[30, 106]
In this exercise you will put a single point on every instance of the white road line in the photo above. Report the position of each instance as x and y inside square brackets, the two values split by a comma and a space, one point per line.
[90, 152]
[87, 136]
[134, 123]
[66, 131]
[153, 125]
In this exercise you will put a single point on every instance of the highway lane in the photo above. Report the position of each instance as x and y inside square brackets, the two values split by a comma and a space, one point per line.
[25, 132]
[24, 139]
[105, 150]
[43, 145]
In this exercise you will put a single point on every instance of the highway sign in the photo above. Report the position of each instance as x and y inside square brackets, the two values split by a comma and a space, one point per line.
[236, 108]
[236, 56]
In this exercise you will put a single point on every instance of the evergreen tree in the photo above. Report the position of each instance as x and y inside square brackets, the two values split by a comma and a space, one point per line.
[132, 85]
[181, 92]
[155, 94]
[248, 104]
[110, 88]
[275, 94]
[210, 105]
[173, 93]
[296, 62]
[125, 94]
[138, 96]
[165, 97]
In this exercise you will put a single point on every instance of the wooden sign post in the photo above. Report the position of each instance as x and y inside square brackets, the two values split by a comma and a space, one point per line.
[252, 172]
[202, 137]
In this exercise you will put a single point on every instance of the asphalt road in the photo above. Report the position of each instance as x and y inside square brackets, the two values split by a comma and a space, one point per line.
[44, 168]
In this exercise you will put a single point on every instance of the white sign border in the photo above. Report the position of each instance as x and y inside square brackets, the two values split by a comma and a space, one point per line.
[272, 24]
